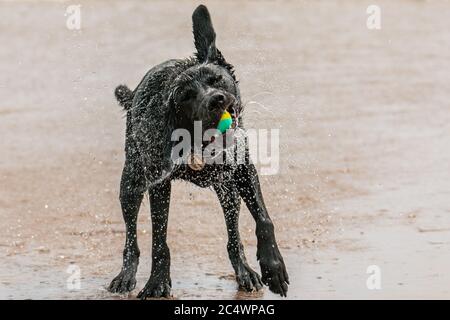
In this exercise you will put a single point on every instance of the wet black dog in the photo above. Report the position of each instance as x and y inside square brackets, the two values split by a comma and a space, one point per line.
[172, 96]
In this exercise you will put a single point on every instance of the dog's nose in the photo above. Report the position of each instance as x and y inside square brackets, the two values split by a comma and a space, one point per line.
[217, 101]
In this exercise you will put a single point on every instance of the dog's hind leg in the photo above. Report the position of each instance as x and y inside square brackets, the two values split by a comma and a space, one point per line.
[230, 202]
[132, 188]
[273, 269]
[159, 284]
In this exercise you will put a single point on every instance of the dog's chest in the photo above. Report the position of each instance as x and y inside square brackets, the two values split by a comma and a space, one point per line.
[208, 176]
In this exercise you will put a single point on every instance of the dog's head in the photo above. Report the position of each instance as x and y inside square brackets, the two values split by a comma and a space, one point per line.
[208, 88]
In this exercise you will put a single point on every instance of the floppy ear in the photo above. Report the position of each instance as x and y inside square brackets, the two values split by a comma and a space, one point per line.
[152, 125]
[169, 127]
[204, 35]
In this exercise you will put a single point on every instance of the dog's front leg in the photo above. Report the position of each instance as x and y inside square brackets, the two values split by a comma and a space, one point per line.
[132, 187]
[273, 270]
[159, 284]
[230, 202]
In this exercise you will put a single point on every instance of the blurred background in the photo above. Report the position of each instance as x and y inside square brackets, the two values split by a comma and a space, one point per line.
[364, 120]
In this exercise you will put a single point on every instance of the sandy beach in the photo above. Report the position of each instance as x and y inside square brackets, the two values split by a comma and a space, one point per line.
[364, 122]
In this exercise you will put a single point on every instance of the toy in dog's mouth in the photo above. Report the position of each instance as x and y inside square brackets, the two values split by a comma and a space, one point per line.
[229, 120]
[234, 112]
[228, 123]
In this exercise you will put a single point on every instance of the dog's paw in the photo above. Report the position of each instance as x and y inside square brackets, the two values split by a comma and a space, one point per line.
[247, 279]
[124, 282]
[274, 272]
[156, 288]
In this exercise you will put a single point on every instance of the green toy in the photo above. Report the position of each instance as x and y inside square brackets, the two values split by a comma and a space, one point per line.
[225, 122]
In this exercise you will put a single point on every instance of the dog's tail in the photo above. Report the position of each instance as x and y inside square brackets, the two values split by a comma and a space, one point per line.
[124, 96]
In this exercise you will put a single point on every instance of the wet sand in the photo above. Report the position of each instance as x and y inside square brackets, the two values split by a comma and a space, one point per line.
[364, 121]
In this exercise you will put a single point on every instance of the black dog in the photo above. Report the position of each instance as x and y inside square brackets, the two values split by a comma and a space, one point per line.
[171, 96]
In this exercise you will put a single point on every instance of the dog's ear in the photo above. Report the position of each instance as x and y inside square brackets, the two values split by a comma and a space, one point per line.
[169, 127]
[152, 127]
[204, 35]
[205, 40]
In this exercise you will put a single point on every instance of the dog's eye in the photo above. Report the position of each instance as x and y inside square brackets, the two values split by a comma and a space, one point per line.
[185, 95]
[213, 80]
